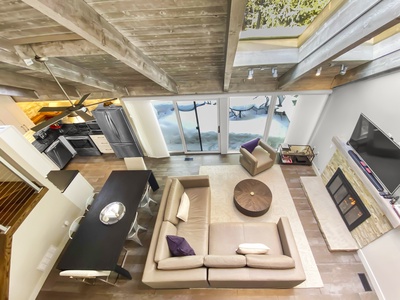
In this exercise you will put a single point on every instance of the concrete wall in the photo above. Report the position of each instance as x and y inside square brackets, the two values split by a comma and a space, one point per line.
[377, 98]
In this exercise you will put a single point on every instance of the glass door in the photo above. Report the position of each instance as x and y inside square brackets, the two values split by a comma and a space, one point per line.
[199, 125]
[247, 119]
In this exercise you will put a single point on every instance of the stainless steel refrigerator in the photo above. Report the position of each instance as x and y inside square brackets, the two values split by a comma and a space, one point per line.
[117, 130]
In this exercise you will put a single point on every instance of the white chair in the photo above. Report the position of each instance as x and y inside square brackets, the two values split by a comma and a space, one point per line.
[74, 226]
[134, 231]
[137, 163]
[84, 275]
[89, 201]
[93, 275]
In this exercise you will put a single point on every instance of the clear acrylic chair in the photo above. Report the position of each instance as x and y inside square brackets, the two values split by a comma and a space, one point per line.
[133, 234]
[137, 163]
[74, 226]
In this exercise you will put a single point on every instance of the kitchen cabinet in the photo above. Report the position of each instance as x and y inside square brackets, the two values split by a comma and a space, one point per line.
[102, 144]
[12, 114]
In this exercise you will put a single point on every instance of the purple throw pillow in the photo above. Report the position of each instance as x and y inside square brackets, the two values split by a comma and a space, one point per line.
[178, 246]
[250, 145]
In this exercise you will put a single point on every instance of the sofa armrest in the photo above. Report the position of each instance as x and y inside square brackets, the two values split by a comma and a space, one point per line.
[269, 149]
[248, 156]
[194, 181]
[288, 242]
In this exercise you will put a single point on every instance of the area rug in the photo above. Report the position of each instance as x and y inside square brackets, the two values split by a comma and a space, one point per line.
[223, 180]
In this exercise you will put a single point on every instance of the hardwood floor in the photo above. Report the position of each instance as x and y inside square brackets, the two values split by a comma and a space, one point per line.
[339, 270]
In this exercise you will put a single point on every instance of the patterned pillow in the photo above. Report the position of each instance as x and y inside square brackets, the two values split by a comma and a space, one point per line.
[178, 246]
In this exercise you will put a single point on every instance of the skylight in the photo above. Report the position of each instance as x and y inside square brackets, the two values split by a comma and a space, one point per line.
[279, 18]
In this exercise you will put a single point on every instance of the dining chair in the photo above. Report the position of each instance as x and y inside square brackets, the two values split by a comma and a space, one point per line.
[137, 163]
[133, 234]
[74, 226]
[93, 275]
[84, 275]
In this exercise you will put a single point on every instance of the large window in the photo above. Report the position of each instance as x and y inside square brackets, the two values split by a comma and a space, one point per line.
[166, 116]
[247, 119]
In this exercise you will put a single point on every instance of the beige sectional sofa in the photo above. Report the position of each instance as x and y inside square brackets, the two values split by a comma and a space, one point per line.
[216, 263]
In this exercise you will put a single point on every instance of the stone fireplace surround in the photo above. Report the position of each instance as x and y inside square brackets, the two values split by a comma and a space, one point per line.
[383, 217]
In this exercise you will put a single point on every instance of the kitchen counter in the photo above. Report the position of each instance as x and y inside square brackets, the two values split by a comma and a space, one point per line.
[62, 179]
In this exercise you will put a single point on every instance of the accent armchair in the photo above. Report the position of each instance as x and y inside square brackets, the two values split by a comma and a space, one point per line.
[256, 156]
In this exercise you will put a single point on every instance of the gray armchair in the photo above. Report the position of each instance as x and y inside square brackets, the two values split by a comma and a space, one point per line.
[262, 158]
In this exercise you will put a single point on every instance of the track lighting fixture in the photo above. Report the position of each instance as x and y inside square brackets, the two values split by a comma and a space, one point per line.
[318, 72]
[343, 70]
[250, 74]
[274, 72]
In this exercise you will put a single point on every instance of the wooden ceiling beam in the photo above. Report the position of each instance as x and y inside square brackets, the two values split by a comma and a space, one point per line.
[330, 9]
[236, 18]
[382, 65]
[382, 16]
[17, 92]
[66, 49]
[41, 86]
[66, 70]
[83, 20]
[337, 22]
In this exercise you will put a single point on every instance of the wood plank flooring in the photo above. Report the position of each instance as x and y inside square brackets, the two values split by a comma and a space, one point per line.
[339, 270]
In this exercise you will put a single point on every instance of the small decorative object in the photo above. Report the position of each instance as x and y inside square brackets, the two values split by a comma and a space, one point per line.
[112, 213]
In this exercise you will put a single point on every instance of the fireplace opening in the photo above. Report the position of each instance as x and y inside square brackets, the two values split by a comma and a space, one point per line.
[348, 203]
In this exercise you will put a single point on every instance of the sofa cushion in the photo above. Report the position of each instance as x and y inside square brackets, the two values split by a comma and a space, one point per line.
[250, 145]
[262, 155]
[270, 261]
[225, 261]
[174, 198]
[184, 206]
[162, 249]
[178, 246]
[252, 248]
[181, 263]
[226, 237]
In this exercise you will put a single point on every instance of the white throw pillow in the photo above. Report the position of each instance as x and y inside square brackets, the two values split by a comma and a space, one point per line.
[183, 210]
[252, 248]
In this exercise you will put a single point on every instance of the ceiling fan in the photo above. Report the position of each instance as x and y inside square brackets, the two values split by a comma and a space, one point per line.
[76, 109]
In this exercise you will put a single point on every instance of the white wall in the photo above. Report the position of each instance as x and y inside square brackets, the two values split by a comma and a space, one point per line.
[381, 257]
[45, 225]
[304, 118]
[147, 128]
[377, 98]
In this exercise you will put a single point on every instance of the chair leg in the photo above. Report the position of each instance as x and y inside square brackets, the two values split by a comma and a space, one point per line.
[134, 237]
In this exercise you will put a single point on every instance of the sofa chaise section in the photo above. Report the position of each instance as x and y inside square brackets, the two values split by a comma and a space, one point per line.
[161, 269]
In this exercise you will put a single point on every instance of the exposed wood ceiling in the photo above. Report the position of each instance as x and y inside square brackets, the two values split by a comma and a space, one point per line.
[177, 47]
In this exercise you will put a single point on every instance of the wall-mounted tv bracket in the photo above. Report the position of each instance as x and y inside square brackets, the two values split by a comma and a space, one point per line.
[367, 171]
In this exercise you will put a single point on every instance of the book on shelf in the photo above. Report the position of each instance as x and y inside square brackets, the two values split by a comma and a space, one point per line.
[286, 159]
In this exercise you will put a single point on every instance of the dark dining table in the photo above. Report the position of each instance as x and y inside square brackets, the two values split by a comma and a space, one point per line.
[97, 246]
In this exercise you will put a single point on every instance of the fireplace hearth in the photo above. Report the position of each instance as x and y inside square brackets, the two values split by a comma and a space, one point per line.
[348, 203]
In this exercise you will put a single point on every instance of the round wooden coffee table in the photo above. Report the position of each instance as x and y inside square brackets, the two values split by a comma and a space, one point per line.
[252, 197]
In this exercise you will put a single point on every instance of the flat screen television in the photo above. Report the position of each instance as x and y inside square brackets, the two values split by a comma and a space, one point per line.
[378, 151]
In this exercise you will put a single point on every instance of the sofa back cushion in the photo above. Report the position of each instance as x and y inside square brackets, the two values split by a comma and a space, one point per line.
[162, 249]
[174, 199]
[225, 238]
